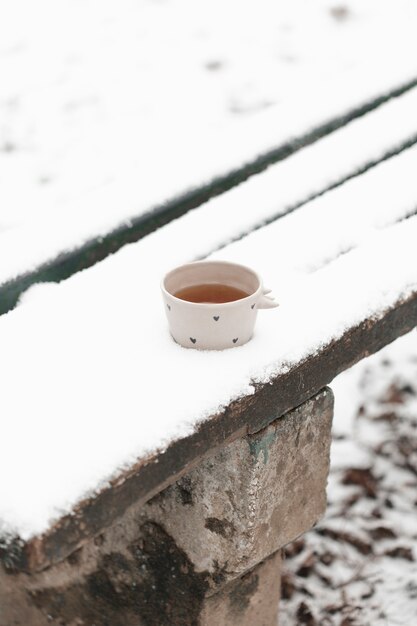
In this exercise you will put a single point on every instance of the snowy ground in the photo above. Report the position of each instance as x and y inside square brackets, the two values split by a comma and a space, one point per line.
[359, 566]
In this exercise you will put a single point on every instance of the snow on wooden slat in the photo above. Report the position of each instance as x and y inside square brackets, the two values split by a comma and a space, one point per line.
[263, 197]
[340, 155]
[79, 356]
[332, 223]
[79, 157]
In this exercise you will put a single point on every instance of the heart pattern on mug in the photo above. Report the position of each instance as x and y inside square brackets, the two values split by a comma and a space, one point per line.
[216, 317]
[192, 339]
[234, 340]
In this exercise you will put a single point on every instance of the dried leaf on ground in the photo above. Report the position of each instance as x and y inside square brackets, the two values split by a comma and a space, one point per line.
[382, 532]
[307, 566]
[362, 477]
[294, 548]
[305, 615]
[362, 546]
[400, 552]
[287, 586]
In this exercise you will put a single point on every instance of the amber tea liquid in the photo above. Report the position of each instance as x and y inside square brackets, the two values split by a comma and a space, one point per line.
[211, 293]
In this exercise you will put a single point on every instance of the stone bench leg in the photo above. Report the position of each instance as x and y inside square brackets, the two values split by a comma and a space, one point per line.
[203, 552]
[250, 600]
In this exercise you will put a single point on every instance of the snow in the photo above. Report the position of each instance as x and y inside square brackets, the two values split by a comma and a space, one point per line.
[107, 111]
[340, 219]
[91, 379]
[100, 100]
[261, 198]
[374, 431]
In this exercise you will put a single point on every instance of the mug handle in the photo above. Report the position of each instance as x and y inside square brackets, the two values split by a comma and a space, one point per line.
[266, 302]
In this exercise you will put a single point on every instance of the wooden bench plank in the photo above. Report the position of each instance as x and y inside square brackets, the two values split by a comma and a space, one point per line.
[333, 223]
[282, 74]
[27, 257]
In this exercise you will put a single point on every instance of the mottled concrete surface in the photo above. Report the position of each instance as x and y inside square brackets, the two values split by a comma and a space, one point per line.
[255, 495]
[251, 600]
[192, 553]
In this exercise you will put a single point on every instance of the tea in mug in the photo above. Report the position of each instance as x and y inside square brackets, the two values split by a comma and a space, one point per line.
[211, 293]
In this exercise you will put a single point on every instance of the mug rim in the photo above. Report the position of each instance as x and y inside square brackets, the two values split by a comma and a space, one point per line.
[212, 304]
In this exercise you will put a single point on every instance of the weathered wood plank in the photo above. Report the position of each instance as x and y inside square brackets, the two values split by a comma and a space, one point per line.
[97, 249]
[247, 415]
[321, 192]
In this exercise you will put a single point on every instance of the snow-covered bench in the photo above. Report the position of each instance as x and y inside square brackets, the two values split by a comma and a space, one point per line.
[52, 245]
[144, 483]
[128, 460]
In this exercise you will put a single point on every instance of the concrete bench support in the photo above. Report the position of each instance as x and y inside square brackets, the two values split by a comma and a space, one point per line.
[204, 551]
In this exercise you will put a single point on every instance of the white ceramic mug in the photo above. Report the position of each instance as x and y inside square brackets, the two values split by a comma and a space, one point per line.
[207, 326]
